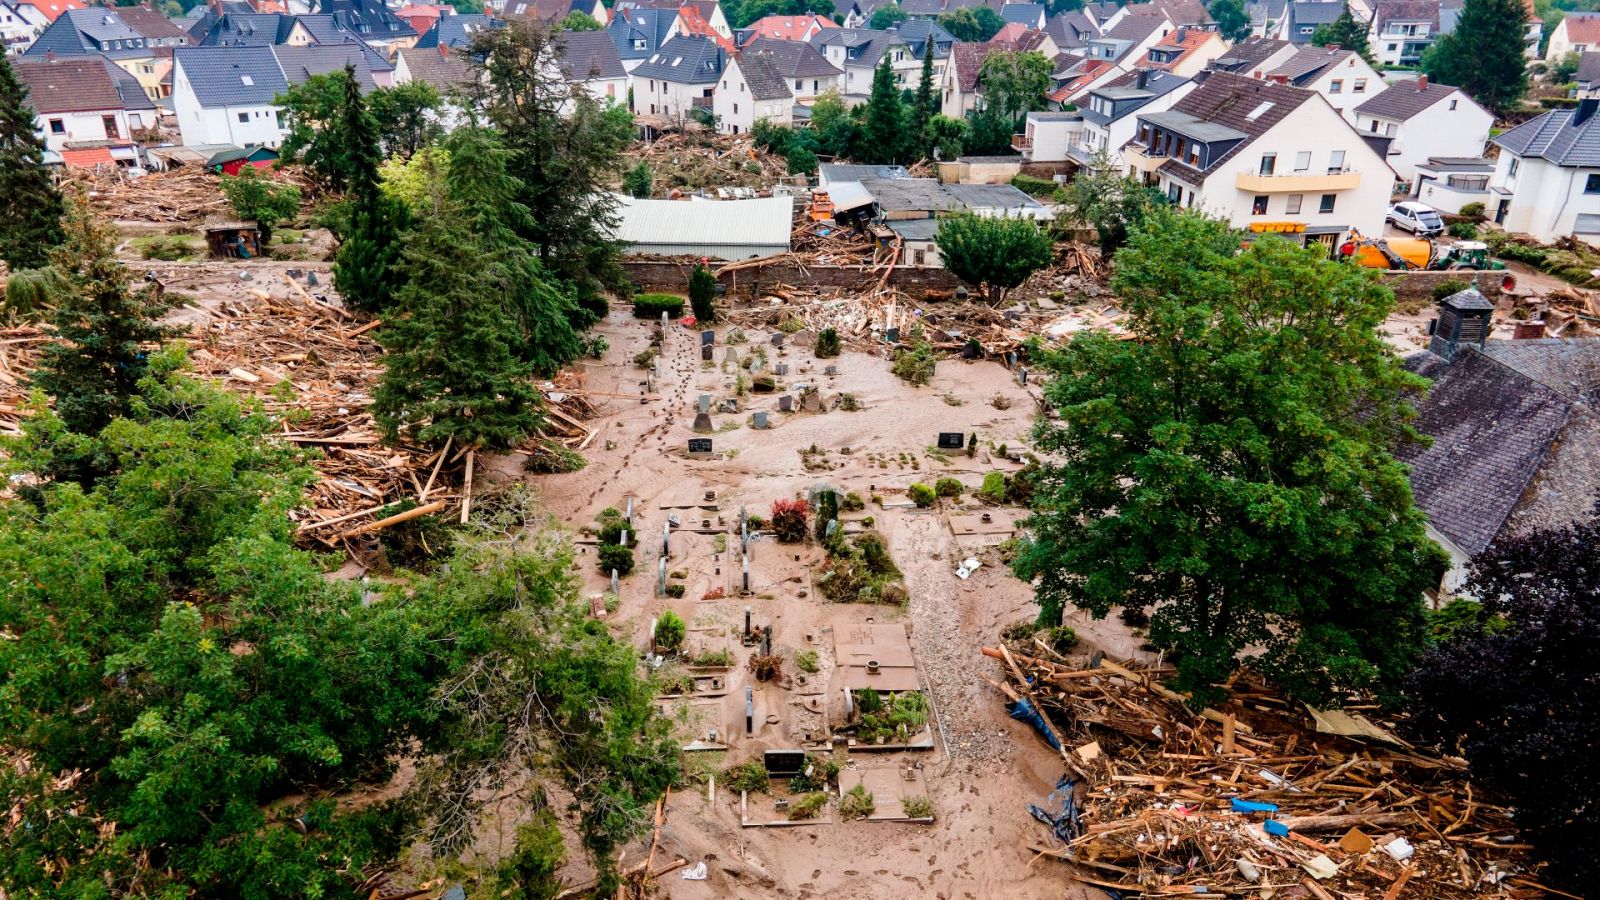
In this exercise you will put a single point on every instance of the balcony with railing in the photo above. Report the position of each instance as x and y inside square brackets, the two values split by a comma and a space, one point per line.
[1021, 142]
[1299, 182]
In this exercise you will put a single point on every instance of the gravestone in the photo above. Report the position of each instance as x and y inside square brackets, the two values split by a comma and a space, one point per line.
[311, 279]
[952, 440]
[811, 401]
[1011, 358]
[831, 370]
[786, 403]
[707, 352]
[703, 404]
[700, 448]
[708, 338]
[661, 573]
[759, 420]
[777, 339]
[1022, 376]
[614, 589]
[628, 516]
[892, 335]
[728, 405]
[731, 355]
[781, 369]
[702, 423]
[755, 365]
[663, 321]
[1013, 316]
[784, 763]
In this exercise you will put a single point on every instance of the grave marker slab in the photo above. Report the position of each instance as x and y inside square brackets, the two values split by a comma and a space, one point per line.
[831, 370]
[708, 337]
[707, 352]
[699, 446]
[759, 420]
[781, 369]
[703, 404]
[952, 440]
[702, 423]
[777, 339]
[892, 335]
[786, 403]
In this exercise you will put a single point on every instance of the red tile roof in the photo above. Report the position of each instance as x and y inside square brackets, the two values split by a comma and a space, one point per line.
[87, 159]
[690, 21]
[789, 28]
[53, 9]
[1582, 28]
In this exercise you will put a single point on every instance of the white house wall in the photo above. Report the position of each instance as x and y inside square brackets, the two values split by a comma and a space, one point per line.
[1546, 199]
[1350, 84]
[88, 125]
[1436, 131]
[222, 125]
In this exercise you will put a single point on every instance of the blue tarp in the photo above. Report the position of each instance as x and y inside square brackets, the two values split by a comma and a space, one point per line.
[1023, 711]
[1250, 806]
[1065, 824]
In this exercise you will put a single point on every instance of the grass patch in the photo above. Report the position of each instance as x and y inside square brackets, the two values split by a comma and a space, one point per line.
[807, 806]
[747, 776]
[856, 803]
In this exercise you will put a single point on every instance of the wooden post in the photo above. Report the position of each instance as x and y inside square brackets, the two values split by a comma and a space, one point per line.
[423, 497]
[466, 490]
[397, 518]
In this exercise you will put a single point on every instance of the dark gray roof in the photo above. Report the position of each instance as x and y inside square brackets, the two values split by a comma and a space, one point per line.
[1029, 14]
[232, 76]
[1311, 13]
[639, 33]
[443, 70]
[1070, 29]
[1245, 55]
[300, 63]
[795, 59]
[370, 19]
[457, 30]
[86, 32]
[686, 59]
[834, 172]
[1588, 67]
[1494, 415]
[864, 46]
[1136, 28]
[1385, 11]
[1457, 164]
[1404, 100]
[248, 30]
[1308, 62]
[991, 196]
[589, 54]
[1234, 105]
[763, 77]
[1552, 137]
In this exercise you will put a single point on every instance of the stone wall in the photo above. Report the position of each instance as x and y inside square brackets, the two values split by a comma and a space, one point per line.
[673, 276]
[1420, 285]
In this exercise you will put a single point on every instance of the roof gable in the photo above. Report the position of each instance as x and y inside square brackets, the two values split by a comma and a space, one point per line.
[686, 59]
[81, 84]
[231, 76]
[587, 55]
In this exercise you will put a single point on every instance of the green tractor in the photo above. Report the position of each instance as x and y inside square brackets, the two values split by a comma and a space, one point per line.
[1467, 255]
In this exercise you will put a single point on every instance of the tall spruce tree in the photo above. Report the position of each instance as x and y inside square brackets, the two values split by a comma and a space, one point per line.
[1485, 54]
[883, 136]
[1345, 32]
[104, 330]
[30, 205]
[363, 270]
[925, 106]
[452, 367]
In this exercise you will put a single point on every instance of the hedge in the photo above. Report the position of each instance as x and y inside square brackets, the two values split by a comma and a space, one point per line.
[651, 306]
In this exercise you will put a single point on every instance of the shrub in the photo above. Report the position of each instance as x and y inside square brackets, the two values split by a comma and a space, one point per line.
[1034, 187]
[818, 772]
[1446, 288]
[670, 631]
[651, 306]
[806, 661]
[1466, 231]
[766, 668]
[948, 487]
[1134, 617]
[918, 808]
[809, 805]
[723, 657]
[644, 359]
[1062, 638]
[1474, 211]
[994, 487]
[922, 495]
[869, 701]
[915, 364]
[29, 292]
[166, 249]
[827, 344]
[611, 531]
[875, 555]
[675, 590]
[852, 502]
[615, 556]
[789, 520]
[702, 294]
[747, 776]
[856, 803]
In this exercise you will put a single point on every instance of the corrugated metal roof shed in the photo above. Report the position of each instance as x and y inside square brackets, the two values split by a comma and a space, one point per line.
[725, 229]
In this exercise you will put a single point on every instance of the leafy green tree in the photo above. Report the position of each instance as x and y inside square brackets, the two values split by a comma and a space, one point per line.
[1014, 83]
[1346, 32]
[997, 253]
[946, 137]
[973, 25]
[835, 131]
[887, 16]
[1565, 69]
[30, 205]
[1230, 471]
[103, 330]
[407, 116]
[363, 268]
[1233, 23]
[1111, 203]
[566, 150]
[1484, 54]
[261, 200]
[883, 131]
[639, 182]
[578, 20]
[316, 137]
[703, 294]
[801, 160]
[411, 180]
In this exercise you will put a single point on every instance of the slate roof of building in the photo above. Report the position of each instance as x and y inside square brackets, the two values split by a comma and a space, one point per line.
[1136, 28]
[1225, 100]
[1385, 11]
[1178, 12]
[84, 32]
[151, 24]
[370, 19]
[442, 69]
[1070, 29]
[1582, 27]
[1246, 55]
[1494, 415]
[457, 30]
[300, 63]
[685, 60]
[1307, 62]
[866, 46]
[1311, 12]
[247, 30]
[647, 25]
[589, 55]
[1029, 14]
[1123, 87]
[1552, 137]
[1588, 67]
[232, 76]
[762, 76]
[795, 59]
[80, 84]
[1404, 100]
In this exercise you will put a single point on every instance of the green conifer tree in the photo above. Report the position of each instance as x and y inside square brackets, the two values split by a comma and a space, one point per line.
[883, 135]
[363, 269]
[1484, 55]
[926, 105]
[702, 294]
[451, 366]
[30, 205]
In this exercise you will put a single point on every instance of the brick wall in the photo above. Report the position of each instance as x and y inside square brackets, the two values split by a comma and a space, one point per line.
[673, 276]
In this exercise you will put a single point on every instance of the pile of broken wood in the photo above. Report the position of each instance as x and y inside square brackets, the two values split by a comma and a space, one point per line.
[693, 160]
[1256, 797]
[185, 194]
[19, 351]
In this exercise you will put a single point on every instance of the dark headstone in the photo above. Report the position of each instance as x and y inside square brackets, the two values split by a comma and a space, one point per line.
[784, 763]
[952, 440]
[759, 420]
[706, 351]
[786, 403]
[777, 339]
[707, 338]
[702, 423]
[892, 335]
[781, 369]
[311, 279]
[700, 445]
[830, 370]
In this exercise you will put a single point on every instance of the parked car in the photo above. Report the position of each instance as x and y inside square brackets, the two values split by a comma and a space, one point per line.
[1417, 218]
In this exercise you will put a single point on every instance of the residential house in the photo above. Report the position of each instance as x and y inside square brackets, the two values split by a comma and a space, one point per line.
[1514, 430]
[553, 11]
[1267, 17]
[639, 33]
[1104, 13]
[1425, 120]
[910, 208]
[1546, 182]
[1184, 52]
[857, 53]
[1448, 183]
[1588, 75]
[1021, 39]
[1255, 57]
[958, 90]
[226, 95]
[1109, 118]
[1049, 136]
[708, 11]
[86, 99]
[20, 23]
[1264, 156]
[232, 29]
[1113, 53]
[1028, 15]
[155, 74]
[1306, 15]
[681, 77]
[1071, 30]
[446, 71]
[1342, 77]
[752, 89]
[785, 28]
[808, 72]
[454, 32]
[1577, 32]
[590, 58]
[423, 16]
[1401, 30]
[91, 32]
[371, 21]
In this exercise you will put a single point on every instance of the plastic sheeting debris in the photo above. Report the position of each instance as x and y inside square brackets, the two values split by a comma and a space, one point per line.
[1065, 824]
[1023, 711]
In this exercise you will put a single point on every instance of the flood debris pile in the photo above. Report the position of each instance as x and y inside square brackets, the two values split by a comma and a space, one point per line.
[1255, 798]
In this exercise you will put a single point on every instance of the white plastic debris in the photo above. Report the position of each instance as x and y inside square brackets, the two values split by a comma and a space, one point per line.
[696, 872]
[1400, 849]
[1247, 870]
[966, 568]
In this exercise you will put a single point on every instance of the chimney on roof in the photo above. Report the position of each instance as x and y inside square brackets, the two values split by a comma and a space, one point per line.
[1463, 319]
[1422, 82]
[1333, 47]
[1183, 32]
[1584, 112]
[1141, 78]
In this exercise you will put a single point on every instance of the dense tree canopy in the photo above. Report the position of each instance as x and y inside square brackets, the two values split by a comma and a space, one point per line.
[972, 24]
[30, 205]
[259, 200]
[1485, 54]
[1233, 23]
[364, 268]
[1230, 471]
[740, 13]
[1346, 32]
[997, 253]
[1514, 692]
[1111, 203]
